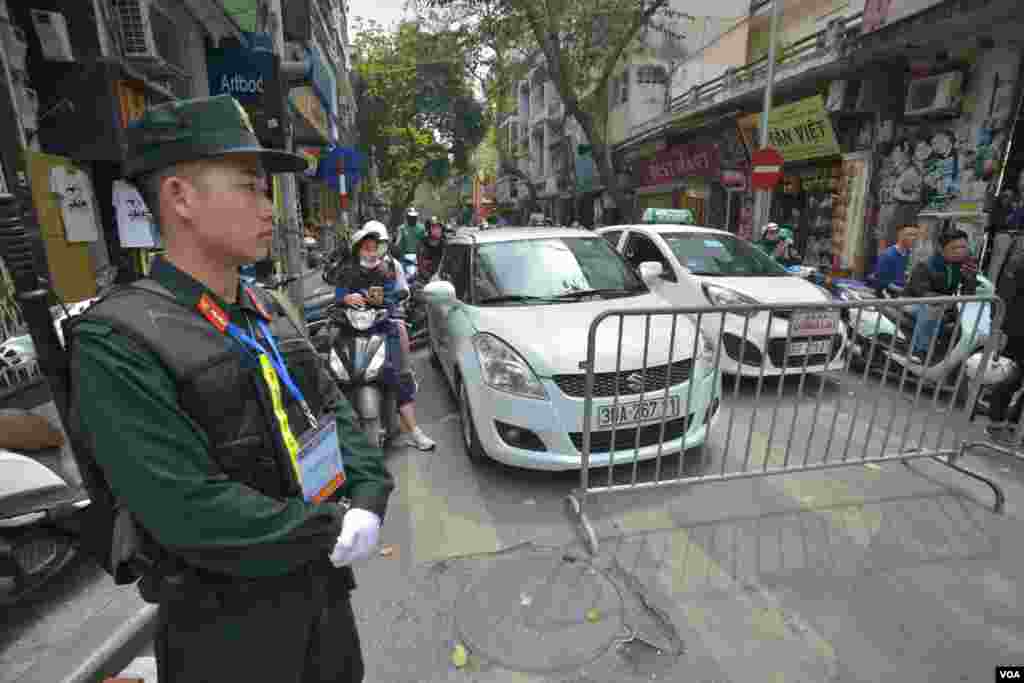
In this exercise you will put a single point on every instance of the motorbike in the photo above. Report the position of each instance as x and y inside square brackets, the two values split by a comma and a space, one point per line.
[38, 506]
[415, 307]
[354, 349]
[882, 335]
[41, 495]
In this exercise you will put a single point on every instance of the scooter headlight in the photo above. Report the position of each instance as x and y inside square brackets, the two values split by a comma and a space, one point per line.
[376, 363]
[361, 319]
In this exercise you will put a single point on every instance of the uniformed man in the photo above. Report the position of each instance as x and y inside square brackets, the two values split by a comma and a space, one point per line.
[213, 423]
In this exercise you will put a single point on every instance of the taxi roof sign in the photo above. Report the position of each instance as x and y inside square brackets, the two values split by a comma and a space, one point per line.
[668, 216]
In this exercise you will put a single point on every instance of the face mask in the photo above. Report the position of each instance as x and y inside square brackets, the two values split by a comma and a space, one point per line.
[369, 262]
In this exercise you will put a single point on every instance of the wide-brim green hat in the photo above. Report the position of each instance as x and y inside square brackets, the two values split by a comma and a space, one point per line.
[190, 130]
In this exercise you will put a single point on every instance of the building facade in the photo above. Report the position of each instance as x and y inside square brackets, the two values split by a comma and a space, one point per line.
[886, 114]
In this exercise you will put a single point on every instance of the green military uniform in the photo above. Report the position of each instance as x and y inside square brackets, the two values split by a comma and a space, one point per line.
[255, 596]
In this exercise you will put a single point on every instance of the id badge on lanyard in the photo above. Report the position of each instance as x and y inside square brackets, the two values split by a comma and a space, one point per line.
[316, 455]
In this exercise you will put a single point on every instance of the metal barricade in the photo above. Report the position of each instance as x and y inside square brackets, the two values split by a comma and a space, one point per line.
[835, 385]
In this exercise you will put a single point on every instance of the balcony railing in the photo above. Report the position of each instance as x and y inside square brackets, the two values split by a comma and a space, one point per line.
[835, 39]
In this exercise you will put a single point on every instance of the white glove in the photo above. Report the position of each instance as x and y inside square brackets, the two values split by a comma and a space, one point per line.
[360, 530]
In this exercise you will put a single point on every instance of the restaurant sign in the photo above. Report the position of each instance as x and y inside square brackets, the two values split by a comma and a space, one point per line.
[678, 162]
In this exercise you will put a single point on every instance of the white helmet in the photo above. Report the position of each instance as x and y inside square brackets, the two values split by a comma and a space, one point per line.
[998, 369]
[411, 211]
[374, 228]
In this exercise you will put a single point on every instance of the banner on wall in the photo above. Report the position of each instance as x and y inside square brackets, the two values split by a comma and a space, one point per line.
[800, 131]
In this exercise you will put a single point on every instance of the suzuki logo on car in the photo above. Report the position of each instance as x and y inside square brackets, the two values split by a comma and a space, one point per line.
[635, 382]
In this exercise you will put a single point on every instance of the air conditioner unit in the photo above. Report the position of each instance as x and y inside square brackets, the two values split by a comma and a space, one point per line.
[941, 94]
[147, 33]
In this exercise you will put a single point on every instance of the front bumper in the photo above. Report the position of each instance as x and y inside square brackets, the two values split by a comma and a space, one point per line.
[765, 348]
[557, 424]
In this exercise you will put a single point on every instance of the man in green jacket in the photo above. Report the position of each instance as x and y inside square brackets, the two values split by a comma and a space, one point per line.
[211, 420]
[410, 235]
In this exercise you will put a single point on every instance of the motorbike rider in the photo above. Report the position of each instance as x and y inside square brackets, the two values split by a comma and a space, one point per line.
[428, 258]
[893, 262]
[369, 269]
[949, 271]
[410, 234]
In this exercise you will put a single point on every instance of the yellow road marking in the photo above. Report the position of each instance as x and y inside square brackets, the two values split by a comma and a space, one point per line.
[818, 489]
[440, 529]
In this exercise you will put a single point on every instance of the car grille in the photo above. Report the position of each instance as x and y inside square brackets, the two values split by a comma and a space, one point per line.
[777, 352]
[657, 377]
[625, 438]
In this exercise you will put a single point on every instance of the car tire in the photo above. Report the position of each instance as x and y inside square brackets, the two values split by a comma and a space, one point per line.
[470, 439]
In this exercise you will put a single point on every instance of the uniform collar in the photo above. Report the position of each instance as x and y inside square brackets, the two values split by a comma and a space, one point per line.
[188, 290]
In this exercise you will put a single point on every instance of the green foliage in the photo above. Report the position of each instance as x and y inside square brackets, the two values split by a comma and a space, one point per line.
[416, 107]
[581, 45]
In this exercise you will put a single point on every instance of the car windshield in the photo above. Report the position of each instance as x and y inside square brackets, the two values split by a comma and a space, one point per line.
[717, 254]
[551, 269]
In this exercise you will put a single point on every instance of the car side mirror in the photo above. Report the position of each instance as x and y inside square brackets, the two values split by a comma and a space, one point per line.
[650, 270]
[440, 289]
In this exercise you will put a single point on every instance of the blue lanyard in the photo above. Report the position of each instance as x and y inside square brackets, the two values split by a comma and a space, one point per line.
[276, 361]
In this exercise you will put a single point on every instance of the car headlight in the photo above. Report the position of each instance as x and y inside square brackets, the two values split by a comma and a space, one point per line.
[504, 369]
[377, 362]
[338, 367]
[361, 319]
[720, 296]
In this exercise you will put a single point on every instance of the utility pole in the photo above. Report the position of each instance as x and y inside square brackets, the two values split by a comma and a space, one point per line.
[763, 198]
[289, 187]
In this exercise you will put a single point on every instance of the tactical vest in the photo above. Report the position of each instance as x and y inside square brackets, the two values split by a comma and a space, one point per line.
[219, 386]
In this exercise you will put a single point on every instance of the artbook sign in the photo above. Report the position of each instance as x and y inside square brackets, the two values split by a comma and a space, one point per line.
[243, 73]
[678, 162]
[801, 130]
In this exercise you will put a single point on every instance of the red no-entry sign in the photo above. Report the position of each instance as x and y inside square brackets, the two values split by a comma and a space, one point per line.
[766, 168]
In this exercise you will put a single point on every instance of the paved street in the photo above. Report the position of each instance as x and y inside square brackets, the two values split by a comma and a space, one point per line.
[857, 574]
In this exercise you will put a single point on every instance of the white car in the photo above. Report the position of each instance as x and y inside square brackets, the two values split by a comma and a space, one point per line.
[509, 313]
[704, 266]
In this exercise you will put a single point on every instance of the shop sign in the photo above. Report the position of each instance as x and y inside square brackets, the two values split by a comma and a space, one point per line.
[678, 162]
[308, 104]
[800, 131]
[131, 97]
[240, 72]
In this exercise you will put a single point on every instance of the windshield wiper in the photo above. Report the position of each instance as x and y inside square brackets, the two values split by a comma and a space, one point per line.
[579, 294]
[517, 298]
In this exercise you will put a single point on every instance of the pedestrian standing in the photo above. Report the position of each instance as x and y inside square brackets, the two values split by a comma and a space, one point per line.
[1003, 422]
[206, 414]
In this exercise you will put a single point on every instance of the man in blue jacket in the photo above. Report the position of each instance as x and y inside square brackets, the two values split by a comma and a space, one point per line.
[894, 261]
